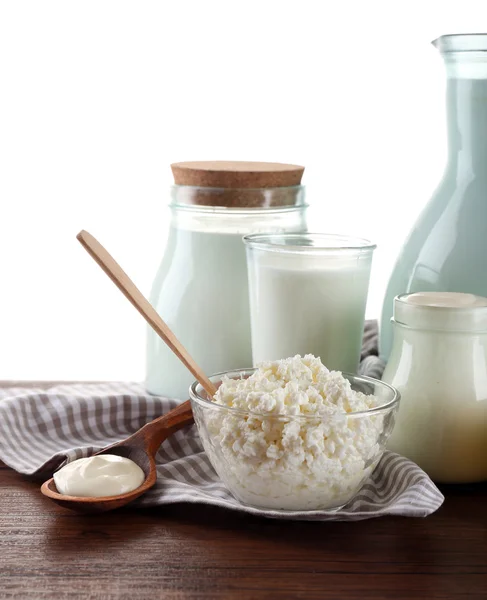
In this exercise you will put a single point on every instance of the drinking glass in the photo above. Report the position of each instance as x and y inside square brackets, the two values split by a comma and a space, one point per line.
[308, 294]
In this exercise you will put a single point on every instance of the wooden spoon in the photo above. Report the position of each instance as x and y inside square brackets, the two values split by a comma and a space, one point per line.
[141, 447]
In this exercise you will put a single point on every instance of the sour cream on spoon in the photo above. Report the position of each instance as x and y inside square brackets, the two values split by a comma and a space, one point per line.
[99, 476]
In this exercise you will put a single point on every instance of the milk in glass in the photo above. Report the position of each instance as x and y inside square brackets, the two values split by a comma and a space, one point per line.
[308, 296]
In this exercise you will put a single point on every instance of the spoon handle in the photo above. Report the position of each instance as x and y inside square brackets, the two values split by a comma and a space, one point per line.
[154, 433]
[135, 296]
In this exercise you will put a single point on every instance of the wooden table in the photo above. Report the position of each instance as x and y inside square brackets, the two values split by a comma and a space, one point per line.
[188, 551]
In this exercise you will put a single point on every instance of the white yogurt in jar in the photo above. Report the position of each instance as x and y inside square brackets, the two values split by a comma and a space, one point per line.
[99, 476]
[439, 365]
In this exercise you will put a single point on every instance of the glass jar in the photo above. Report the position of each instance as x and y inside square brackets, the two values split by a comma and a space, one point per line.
[447, 246]
[438, 364]
[201, 288]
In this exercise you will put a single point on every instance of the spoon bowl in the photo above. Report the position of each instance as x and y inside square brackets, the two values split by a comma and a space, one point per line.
[141, 447]
[97, 505]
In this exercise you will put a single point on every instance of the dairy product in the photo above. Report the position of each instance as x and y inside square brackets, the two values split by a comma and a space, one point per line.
[308, 300]
[447, 246]
[201, 291]
[294, 437]
[439, 365]
[183, 294]
[99, 476]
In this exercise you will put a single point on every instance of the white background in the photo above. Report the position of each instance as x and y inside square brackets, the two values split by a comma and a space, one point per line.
[97, 98]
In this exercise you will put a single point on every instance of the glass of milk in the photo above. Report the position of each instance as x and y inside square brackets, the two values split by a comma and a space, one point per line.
[308, 294]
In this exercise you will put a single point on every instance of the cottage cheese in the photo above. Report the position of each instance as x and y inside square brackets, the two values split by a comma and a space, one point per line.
[301, 447]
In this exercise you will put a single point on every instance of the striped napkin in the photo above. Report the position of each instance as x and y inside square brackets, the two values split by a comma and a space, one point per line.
[40, 430]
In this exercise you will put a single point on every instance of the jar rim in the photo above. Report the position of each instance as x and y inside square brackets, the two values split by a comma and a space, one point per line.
[238, 198]
[236, 210]
[438, 329]
[441, 315]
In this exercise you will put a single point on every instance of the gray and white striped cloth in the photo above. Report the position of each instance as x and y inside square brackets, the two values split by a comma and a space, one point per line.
[42, 429]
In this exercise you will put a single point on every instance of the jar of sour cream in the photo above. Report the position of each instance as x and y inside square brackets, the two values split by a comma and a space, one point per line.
[439, 365]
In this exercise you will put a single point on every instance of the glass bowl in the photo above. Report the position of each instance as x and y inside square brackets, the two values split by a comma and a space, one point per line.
[332, 456]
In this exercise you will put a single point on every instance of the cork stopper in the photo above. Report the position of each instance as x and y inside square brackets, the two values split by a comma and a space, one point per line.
[238, 183]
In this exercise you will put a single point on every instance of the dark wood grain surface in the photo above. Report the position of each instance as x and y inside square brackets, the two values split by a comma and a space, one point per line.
[188, 551]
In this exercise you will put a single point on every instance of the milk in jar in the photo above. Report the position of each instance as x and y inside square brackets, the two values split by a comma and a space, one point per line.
[201, 287]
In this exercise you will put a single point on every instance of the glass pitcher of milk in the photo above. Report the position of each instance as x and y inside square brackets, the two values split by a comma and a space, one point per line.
[447, 249]
[201, 288]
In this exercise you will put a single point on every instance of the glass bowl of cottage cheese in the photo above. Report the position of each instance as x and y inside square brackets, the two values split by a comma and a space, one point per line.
[291, 435]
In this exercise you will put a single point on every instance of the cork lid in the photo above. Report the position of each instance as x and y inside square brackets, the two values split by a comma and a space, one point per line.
[236, 174]
[239, 183]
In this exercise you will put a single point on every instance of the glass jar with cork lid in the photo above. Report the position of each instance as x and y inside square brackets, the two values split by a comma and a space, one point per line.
[201, 287]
